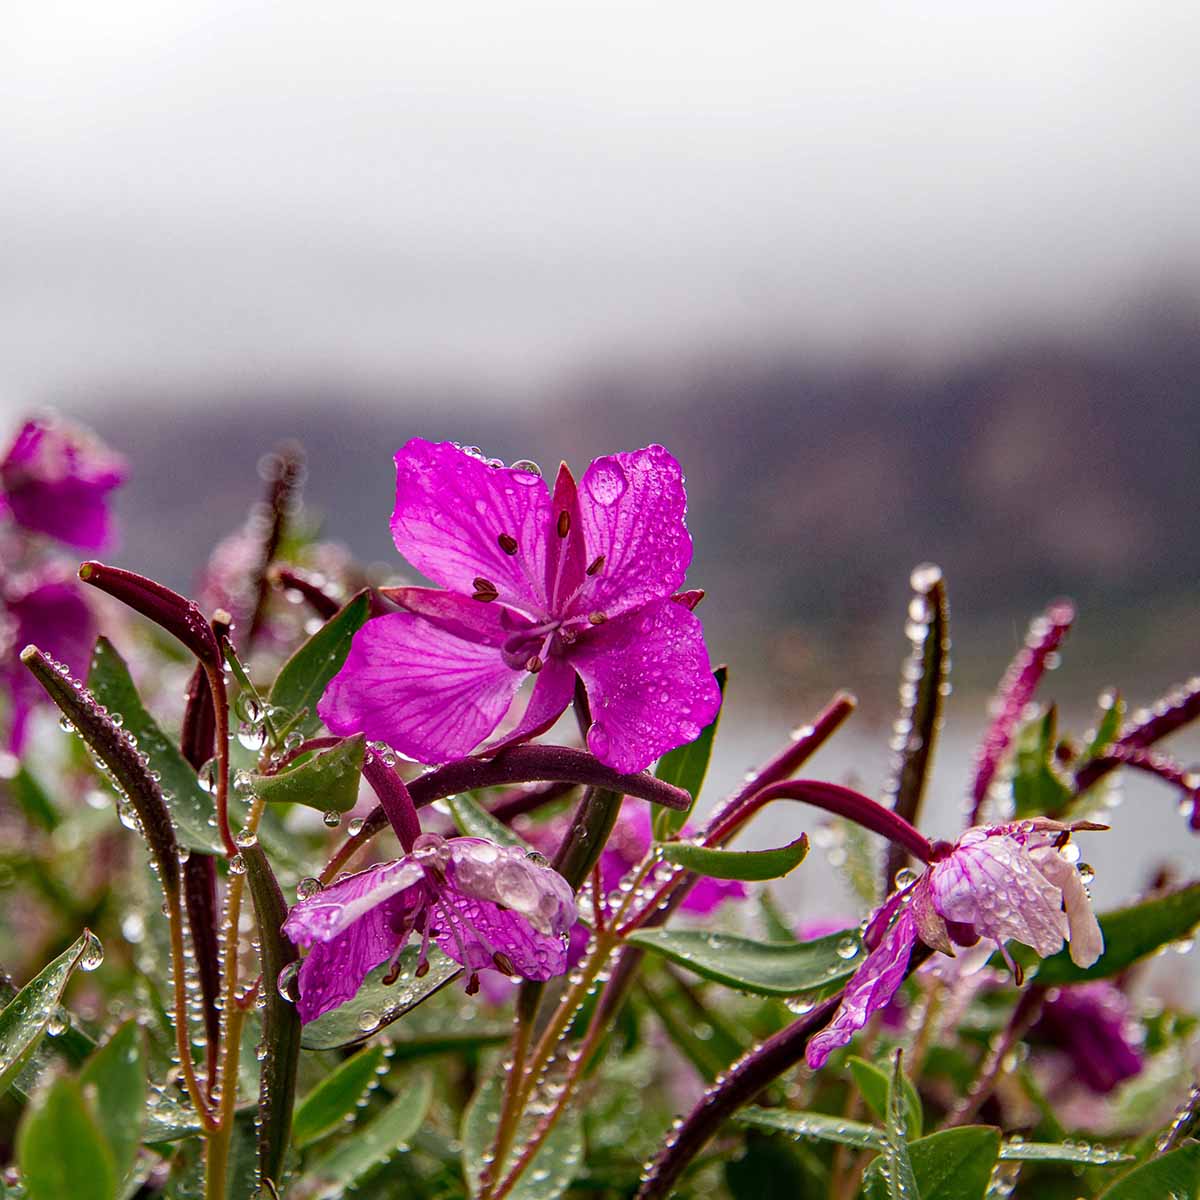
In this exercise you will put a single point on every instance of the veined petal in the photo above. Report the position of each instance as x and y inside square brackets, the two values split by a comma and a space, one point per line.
[565, 561]
[420, 688]
[551, 694]
[486, 624]
[991, 883]
[333, 971]
[480, 934]
[332, 911]
[458, 520]
[649, 682]
[870, 988]
[633, 508]
[508, 877]
[1086, 939]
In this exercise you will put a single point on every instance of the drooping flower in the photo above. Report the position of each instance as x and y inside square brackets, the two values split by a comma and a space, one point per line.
[488, 907]
[47, 609]
[1092, 1025]
[579, 582]
[998, 883]
[56, 478]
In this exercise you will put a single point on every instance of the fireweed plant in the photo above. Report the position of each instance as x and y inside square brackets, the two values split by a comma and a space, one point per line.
[382, 941]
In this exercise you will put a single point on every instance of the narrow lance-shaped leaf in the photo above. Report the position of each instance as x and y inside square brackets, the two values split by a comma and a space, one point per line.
[61, 1150]
[328, 781]
[325, 1108]
[873, 1083]
[922, 694]
[304, 677]
[280, 1020]
[25, 1018]
[686, 767]
[113, 746]
[190, 805]
[1039, 788]
[114, 1085]
[814, 969]
[955, 1164]
[473, 820]
[1175, 1176]
[353, 1162]
[820, 1127]
[901, 1183]
[748, 865]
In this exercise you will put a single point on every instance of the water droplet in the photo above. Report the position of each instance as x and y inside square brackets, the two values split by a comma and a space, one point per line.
[368, 1020]
[237, 865]
[332, 818]
[847, 948]
[245, 838]
[288, 984]
[528, 466]
[307, 888]
[904, 877]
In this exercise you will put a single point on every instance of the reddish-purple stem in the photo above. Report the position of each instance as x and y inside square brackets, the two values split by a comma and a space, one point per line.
[394, 799]
[318, 600]
[1016, 690]
[1160, 765]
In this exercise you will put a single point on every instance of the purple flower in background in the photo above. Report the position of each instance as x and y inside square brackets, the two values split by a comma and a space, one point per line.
[578, 582]
[486, 906]
[48, 610]
[56, 479]
[995, 883]
[1093, 1025]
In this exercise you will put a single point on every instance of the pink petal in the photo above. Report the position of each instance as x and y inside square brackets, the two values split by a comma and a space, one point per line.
[419, 688]
[334, 909]
[453, 512]
[474, 931]
[486, 624]
[633, 507]
[508, 877]
[649, 682]
[1087, 941]
[991, 883]
[870, 988]
[551, 694]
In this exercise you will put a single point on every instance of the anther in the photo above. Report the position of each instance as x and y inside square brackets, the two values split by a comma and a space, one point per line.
[508, 543]
[1018, 974]
[394, 974]
[596, 618]
[504, 963]
[597, 565]
[564, 523]
[473, 984]
[485, 589]
[533, 665]
[421, 971]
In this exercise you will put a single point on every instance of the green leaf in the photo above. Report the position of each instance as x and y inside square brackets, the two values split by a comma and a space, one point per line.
[328, 781]
[192, 809]
[322, 1111]
[750, 865]
[24, 1019]
[820, 1126]
[1174, 1176]
[897, 1168]
[37, 806]
[369, 1147]
[1108, 727]
[1062, 1152]
[955, 1164]
[61, 1150]
[1129, 934]
[686, 767]
[377, 1004]
[114, 1085]
[304, 677]
[473, 820]
[767, 968]
[1038, 786]
[873, 1083]
[430, 1044]
[551, 1169]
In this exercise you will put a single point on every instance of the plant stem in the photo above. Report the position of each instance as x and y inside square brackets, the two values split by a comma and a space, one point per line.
[216, 681]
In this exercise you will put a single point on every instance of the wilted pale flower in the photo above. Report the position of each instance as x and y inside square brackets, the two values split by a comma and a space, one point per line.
[56, 478]
[998, 883]
[581, 582]
[486, 906]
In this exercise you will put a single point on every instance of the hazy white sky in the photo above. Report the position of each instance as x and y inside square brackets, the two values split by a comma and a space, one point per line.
[381, 190]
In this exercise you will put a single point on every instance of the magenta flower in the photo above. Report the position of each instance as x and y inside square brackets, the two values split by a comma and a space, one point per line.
[578, 583]
[1005, 882]
[47, 610]
[486, 906]
[56, 479]
[1093, 1025]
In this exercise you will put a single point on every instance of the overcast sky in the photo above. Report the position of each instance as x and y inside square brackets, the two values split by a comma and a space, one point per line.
[242, 191]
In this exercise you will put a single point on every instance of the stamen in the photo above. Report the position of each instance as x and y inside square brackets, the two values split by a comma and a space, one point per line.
[473, 984]
[422, 969]
[596, 618]
[508, 543]
[485, 590]
[597, 565]
[564, 523]
[534, 665]
[504, 963]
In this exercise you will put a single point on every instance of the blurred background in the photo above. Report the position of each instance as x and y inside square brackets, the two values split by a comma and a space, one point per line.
[895, 282]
